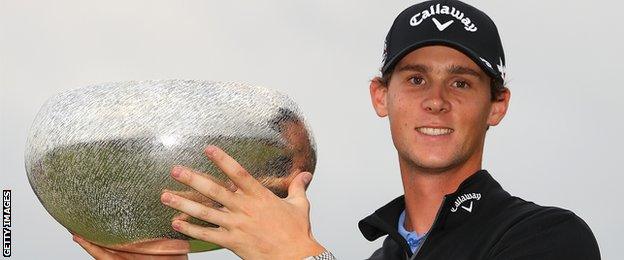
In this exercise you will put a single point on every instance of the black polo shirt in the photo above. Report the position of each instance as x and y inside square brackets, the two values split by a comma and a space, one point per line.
[482, 221]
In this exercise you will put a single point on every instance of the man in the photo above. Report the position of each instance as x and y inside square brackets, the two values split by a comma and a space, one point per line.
[442, 87]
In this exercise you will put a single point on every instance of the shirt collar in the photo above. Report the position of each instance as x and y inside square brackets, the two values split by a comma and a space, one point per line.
[403, 231]
[384, 220]
[411, 237]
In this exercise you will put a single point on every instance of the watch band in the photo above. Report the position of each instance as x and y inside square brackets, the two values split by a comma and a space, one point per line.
[323, 256]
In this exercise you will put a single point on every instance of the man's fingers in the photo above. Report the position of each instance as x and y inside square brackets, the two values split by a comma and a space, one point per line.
[212, 235]
[94, 250]
[239, 176]
[297, 187]
[202, 184]
[194, 209]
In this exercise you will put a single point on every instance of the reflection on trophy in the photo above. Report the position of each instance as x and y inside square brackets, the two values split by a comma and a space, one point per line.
[98, 158]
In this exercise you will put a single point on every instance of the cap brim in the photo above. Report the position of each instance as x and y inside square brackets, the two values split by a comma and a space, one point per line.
[465, 50]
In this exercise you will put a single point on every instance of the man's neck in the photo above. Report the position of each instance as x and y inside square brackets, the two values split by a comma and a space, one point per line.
[425, 190]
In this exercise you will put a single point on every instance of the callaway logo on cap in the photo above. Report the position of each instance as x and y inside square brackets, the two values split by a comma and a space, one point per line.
[446, 22]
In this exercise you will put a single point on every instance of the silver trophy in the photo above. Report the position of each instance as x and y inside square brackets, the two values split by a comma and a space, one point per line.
[98, 158]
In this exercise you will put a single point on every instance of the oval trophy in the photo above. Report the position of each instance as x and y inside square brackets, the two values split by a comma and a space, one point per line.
[99, 157]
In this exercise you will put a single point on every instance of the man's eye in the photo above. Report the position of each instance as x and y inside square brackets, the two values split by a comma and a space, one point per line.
[417, 80]
[460, 84]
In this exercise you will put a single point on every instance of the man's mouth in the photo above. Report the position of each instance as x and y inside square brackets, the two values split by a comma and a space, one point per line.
[434, 131]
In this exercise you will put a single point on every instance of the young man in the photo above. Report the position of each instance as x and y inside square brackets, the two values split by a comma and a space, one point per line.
[442, 87]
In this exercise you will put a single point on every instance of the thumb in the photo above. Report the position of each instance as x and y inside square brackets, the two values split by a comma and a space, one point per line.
[298, 185]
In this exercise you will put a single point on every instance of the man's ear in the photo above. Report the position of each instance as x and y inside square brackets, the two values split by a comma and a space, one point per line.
[499, 107]
[379, 93]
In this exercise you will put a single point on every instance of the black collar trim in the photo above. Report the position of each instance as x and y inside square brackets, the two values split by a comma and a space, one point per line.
[384, 220]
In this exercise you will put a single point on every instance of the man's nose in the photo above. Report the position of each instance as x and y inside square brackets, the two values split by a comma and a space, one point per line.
[435, 101]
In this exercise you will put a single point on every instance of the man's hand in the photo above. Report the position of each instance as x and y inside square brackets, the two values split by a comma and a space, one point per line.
[101, 253]
[253, 223]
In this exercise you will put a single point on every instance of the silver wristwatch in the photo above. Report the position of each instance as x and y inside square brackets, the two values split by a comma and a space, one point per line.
[323, 256]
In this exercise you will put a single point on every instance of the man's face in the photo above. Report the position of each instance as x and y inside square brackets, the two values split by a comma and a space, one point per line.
[439, 106]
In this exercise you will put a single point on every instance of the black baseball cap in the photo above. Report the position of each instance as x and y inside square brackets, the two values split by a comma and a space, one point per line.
[446, 22]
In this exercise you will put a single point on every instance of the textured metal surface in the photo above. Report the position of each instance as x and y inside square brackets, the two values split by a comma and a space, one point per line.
[99, 157]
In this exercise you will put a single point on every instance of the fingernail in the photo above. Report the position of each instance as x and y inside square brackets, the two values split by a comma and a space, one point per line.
[210, 150]
[166, 198]
[176, 225]
[307, 177]
[176, 172]
[77, 239]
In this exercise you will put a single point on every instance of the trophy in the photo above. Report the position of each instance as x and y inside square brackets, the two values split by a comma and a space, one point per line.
[99, 157]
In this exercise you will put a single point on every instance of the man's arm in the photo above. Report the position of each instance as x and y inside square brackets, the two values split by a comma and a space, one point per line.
[253, 223]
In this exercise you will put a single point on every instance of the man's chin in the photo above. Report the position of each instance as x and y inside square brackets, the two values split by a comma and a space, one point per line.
[434, 169]
[435, 165]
